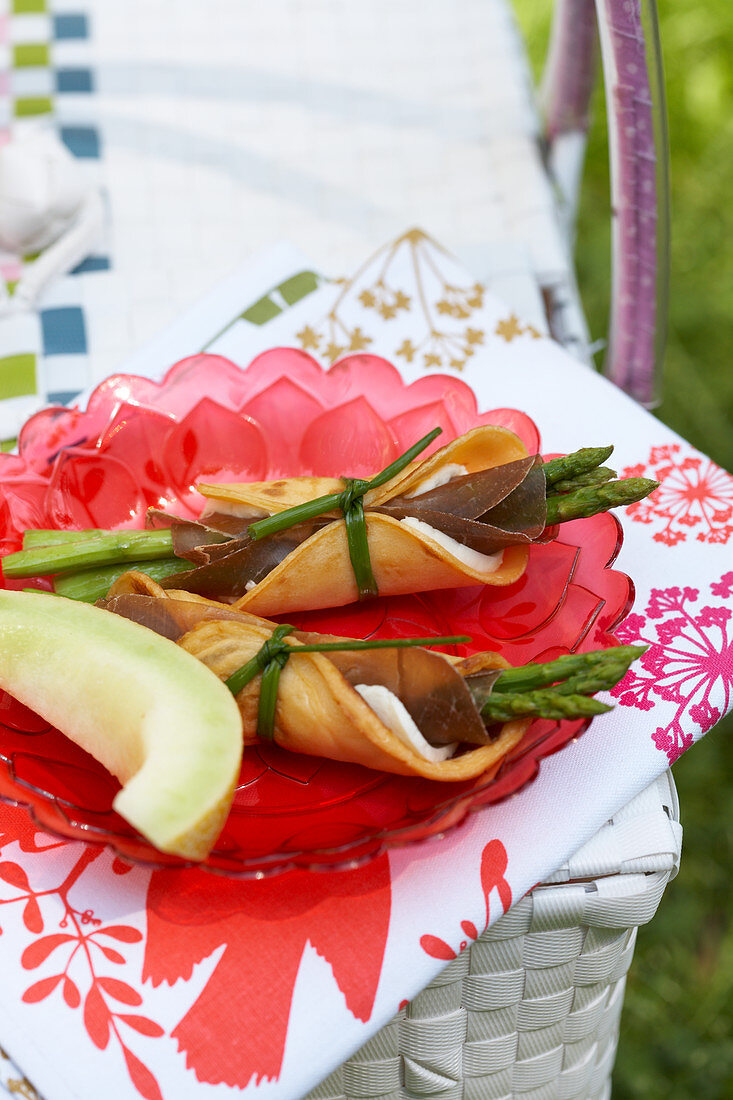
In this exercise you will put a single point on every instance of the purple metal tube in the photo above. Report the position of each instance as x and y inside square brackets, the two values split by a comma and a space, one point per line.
[570, 68]
[638, 179]
[639, 167]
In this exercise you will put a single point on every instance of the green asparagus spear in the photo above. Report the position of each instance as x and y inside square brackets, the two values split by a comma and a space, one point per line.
[524, 691]
[572, 465]
[532, 676]
[89, 585]
[597, 498]
[541, 704]
[588, 683]
[106, 549]
[53, 538]
[593, 477]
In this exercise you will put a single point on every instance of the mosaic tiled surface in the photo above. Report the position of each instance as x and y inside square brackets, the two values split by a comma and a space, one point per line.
[47, 79]
[226, 127]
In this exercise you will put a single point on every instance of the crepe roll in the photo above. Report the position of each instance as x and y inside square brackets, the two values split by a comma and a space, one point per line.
[464, 516]
[404, 711]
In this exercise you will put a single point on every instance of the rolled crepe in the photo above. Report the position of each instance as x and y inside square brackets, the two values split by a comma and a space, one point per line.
[406, 556]
[319, 712]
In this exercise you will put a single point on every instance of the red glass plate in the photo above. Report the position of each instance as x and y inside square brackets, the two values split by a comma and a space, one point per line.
[141, 443]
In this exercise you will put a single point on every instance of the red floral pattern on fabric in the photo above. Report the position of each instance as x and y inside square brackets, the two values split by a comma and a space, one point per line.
[264, 928]
[141, 443]
[694, 496]
[494, 861]
[688, 663]
[75, 964]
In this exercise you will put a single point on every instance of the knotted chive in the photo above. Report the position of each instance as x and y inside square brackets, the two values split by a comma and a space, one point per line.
[272, 656]
[299, 513]
[350, 502]
[269, 661]
[358, 542]
[269, 684]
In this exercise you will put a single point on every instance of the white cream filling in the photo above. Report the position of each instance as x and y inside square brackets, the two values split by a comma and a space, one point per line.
[250, 585]
[442, 476]
[396, 717]
[474, 559]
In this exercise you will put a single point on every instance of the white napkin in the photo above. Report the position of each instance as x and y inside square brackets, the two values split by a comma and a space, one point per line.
[676, 553]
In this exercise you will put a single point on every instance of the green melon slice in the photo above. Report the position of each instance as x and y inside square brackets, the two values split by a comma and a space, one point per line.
[153, 715]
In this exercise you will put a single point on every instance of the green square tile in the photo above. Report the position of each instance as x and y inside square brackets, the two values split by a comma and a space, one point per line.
[22, 7]
[32, 105]
[261, 311]
[297, 286]
[17, 375]
[31, 53]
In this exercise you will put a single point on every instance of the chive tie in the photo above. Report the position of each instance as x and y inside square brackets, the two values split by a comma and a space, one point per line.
[351, 504]
[269, 661]
[272, 656]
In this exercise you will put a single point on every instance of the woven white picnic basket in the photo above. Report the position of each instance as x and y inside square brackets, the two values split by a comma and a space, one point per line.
[531, 1010]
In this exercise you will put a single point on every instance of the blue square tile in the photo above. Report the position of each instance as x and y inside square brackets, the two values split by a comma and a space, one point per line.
[63, 331]
[82, 141]
[91, 263]
[62, 397]
[74, 80]
[70, 26]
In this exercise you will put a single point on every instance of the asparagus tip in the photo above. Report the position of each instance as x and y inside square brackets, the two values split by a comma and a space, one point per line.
[635, 489]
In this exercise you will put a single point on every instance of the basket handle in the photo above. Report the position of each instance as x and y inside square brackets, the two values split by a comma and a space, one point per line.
[639, 158]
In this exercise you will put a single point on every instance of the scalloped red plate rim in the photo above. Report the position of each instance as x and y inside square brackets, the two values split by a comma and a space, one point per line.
[444, 817]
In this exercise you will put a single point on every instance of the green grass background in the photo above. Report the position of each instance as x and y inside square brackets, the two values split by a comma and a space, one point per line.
[677, 1027]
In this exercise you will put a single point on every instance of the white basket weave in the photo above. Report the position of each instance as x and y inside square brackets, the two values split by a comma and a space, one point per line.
[531, 1011]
